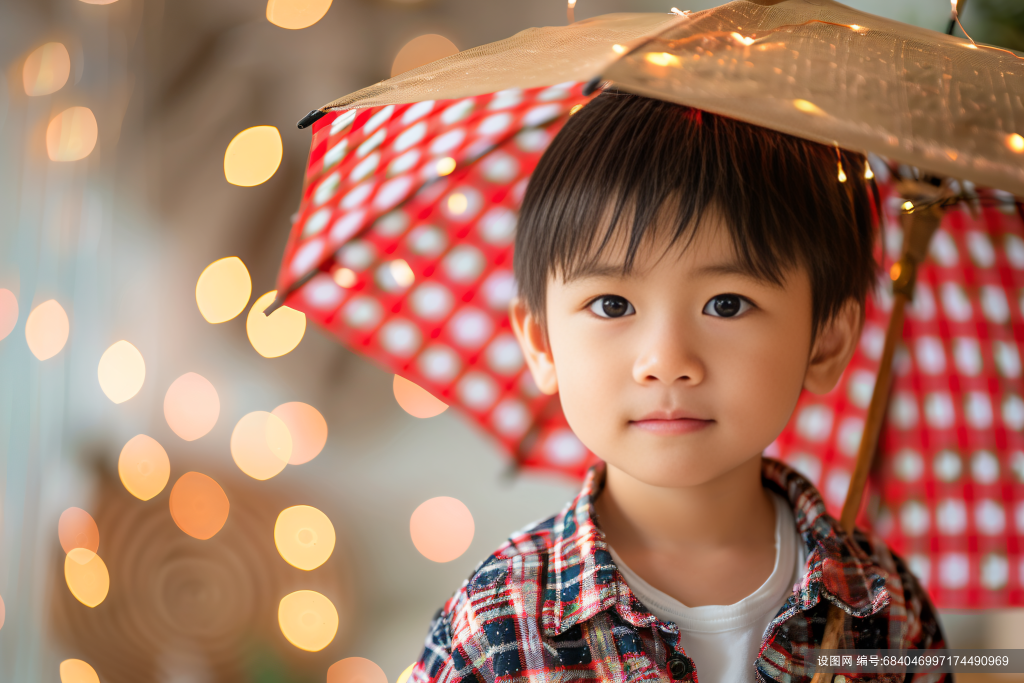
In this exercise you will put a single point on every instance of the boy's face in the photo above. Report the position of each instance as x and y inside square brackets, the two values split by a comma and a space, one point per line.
[686, 368]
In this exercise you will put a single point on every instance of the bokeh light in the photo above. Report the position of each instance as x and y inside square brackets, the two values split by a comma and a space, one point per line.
[308, 620]
[223, 289]
[77, 671]
[422, 50]
[46, 70]
[86, 576]
[46, 329]
[253, 156]
[1015, 142]
[8, 312]
[121, 372]
[144, 467]
[356, 670]
[308, 430]
[77, 529]
[442, 528]
[296, 14]
[261, 444]
[304, 536]
[275, 334]
[71, 134]
[416, 400]
[191, 406]
[198, 505]
[406, 672]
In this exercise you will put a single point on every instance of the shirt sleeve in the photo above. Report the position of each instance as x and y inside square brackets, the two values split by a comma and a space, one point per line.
[437, 648]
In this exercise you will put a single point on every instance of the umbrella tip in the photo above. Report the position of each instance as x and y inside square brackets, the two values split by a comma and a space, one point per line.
[277, 303]
[311, 118]
[591, 86]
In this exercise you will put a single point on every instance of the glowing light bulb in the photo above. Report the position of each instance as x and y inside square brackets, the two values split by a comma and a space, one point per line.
[253, 156]
[404, 676]
[8, 312]
[304, 537]
[662, 59]
[275, 334]
[261, 445]
[121, 372]
[908, 206]
[345, 277]
[223, 289]
[1015, 142]
[457, 203]
[77, 671]
[71, 134]
[445, 166]
[191, 406]
[77, 529]
[46, 329]
[842, 173]
[868, 173]
[442, 528]
[359, 669]
[416, 400]
[307, 427]
[87, 576]
[46, 70]
[144, 467]
[808, 107]
[402, 273]
[198, 505]
[308, 620]
[422, 50]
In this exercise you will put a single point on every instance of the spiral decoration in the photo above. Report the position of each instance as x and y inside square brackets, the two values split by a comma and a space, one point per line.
[205, 609]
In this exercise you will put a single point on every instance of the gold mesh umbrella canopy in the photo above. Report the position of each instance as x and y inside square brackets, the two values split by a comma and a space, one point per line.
[812, 68]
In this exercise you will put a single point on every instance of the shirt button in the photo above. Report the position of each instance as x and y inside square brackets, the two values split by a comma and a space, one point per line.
[679, 666]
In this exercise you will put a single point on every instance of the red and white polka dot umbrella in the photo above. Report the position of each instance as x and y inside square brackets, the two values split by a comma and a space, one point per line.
[402, 249]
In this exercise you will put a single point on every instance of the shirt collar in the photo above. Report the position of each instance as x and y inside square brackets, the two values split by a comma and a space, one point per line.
[583, 580]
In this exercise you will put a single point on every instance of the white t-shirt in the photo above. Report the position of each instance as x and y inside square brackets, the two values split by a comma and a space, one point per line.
[723, 640]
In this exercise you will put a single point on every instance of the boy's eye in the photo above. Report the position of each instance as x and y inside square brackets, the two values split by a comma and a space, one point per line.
[726, 306]
[611, 306]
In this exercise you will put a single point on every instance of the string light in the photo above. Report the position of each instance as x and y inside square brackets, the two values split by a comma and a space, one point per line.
[839, 163]
[868, 173]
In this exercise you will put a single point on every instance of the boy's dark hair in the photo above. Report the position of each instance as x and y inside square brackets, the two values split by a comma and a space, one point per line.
[779, 196]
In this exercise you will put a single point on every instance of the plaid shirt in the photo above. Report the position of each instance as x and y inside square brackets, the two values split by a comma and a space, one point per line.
[550, 606]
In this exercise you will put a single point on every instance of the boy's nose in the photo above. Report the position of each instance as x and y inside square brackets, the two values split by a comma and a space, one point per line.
[667, 355]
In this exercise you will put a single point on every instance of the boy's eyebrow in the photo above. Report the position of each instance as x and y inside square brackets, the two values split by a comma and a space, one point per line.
[596, 270]
[599, 270]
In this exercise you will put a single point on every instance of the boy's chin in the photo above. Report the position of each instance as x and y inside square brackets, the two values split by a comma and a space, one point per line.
[686, 470]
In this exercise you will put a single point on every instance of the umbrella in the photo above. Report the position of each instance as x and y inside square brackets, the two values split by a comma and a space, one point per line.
[401, 246]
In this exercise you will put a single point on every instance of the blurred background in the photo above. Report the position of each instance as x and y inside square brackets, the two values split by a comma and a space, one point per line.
[115, 120]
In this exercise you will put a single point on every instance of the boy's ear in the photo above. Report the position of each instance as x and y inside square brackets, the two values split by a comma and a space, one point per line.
[833, 348]
[534, 343]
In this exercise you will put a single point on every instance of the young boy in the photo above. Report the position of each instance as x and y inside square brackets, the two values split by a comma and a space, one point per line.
[682, 277]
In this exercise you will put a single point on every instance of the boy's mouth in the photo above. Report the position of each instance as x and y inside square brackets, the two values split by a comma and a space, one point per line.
[674, 422]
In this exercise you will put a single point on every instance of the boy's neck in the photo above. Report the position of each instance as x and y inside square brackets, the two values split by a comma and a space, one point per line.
[703, 532]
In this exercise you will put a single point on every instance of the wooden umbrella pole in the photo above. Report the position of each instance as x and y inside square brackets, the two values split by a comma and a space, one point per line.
[918, 228]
